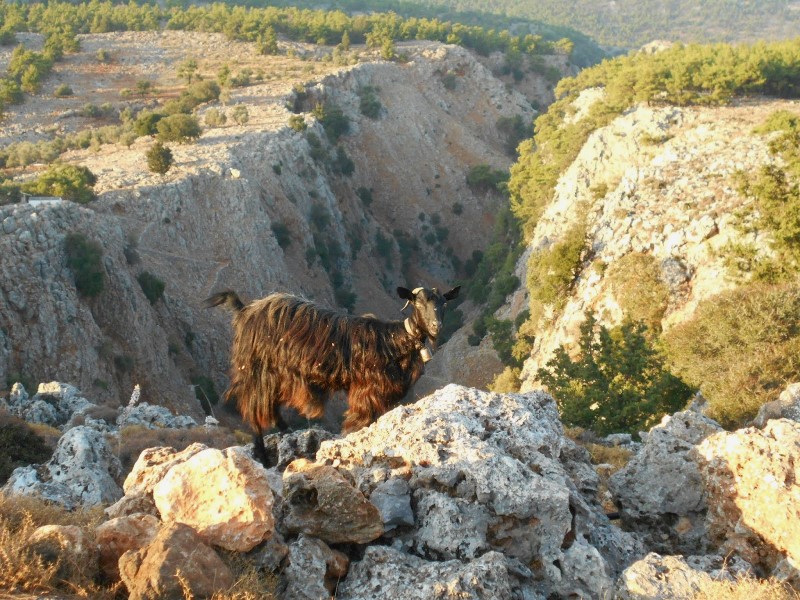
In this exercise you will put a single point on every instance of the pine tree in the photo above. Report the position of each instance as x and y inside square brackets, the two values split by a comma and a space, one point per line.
[159, 158]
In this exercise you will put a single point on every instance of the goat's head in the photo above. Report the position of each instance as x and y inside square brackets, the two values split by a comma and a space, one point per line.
[428, 309]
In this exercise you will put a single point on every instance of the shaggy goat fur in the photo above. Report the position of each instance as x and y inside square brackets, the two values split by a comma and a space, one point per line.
[290, 352]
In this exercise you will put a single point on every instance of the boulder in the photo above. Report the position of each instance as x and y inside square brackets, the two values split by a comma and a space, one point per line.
[787, 406]
[752, 478]
[488, 474]
[314, 570]
[153, 416]
[82, 472]
[388, 573]
[392, 498]
[176, 558]
[675, 577]
[320, 502]
[153, 464]
[132, 504]
[117, 536]
[660, 492]
[71, 547]
[223, 495]
[54, 404]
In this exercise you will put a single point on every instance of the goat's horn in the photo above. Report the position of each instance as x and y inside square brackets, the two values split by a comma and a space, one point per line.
[417, 290]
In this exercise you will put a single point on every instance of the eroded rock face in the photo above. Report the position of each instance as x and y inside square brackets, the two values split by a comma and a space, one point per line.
[787, 406]
[53, 404]
[153, 464]
[222, 494]
[81, 472]
[151, 573]
[486, 474]
[314, 570]
[660, 491]
[153, 417]
[319, 502]
[752, 479]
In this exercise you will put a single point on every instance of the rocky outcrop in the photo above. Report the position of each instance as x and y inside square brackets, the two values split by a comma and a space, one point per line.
[787, 406]
[153, 417]
[752, 479]
[117, 536]
[82, 472]
[660, 492]
[54, 404]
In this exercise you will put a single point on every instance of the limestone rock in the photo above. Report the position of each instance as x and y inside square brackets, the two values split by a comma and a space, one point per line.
[131, 504]
[153, 417]
[393, 499]
[153, 464]
[82, 471]
[54, 404]
[117, 536]
[752, 479]
[283, 448]
[674, 577]
[223, 494]
[660, 491]
[69, 545]
[314, 570]
[388, 573]
[152, 572]
[487, 473]
[269, 555]
[321, 503]
[787, 406]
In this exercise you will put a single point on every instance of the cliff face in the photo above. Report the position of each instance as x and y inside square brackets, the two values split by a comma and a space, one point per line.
[660, 182]
[210, 222]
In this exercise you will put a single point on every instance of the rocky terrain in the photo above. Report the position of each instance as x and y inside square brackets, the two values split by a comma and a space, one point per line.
[658, 181]
[209, 223]
[464, 494]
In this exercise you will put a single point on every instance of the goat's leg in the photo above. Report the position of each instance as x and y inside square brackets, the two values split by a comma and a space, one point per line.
[364, 406]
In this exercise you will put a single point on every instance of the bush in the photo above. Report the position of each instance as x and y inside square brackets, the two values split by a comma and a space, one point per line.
[741, 348]
[63, 91]
[636, 283]
[159, 158]
[146, 123]
[70, 182]
[619, 383]
[178, 128]
[506, 382]
[365, 195]
[369, 105]
[152, 286]
[552, 271]
[84, 260]
[19, 446]
[483, 177]
[334, 121]
[282, 235]
[215, 117]
[240, 114]
[298, 123]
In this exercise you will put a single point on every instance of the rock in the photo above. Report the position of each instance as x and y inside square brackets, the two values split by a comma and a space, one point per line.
[153, 464]
[153, 417]
[132, 504]
[54, 404]
[393, 499]
[675, 578]
[223, 494]
[488, 472]
[283, 448]
[314, 570]
[270, 554]
[321, 503]
[71, 547]
[82, 471]
[152, 573]
[387, 573]
[660, 492]
[117, 536]
[752, 478]
[787, 406]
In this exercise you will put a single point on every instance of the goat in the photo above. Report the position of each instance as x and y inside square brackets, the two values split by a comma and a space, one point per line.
[289, 352]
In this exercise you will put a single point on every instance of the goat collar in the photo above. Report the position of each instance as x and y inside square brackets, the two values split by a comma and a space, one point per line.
[413, 330]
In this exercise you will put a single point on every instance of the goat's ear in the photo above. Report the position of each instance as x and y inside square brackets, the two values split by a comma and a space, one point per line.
[405, 294]
[452, 293]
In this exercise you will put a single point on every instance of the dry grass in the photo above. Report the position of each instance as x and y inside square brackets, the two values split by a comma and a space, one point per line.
[251, 583]
[604, 455]
[746, 589]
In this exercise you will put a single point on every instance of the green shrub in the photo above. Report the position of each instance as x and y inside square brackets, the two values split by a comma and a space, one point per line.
[636, 283]
[342, 164]
[19, 446]
[298, 123]
[619, 383]
[365, 195]
[334, 121]
[741, 348]
[282, 234]
[552, 271]
[240, 114]
[159, 158]
[178, 128]
[215, 118]
[63, 91]
[483, 177]
[506, 382]
[206, 90]
[206, 392]
[70, 182]
[152, 286]
[369, 105]
[84, 259]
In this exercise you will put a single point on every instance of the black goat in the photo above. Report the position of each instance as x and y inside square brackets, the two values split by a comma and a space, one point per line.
[290, 352]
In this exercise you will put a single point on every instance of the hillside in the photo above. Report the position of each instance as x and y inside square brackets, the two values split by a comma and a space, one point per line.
[255, 206]
[630, 24]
